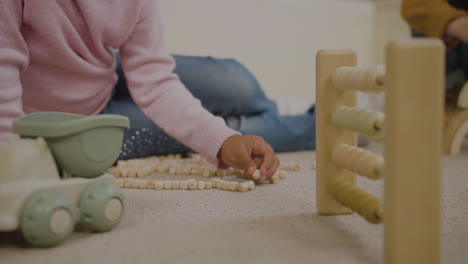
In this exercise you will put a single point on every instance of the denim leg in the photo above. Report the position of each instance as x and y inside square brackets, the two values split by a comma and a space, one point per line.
[283, 133]
[224, 86]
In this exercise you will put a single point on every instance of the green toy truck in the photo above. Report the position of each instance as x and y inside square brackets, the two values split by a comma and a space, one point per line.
[60, 164]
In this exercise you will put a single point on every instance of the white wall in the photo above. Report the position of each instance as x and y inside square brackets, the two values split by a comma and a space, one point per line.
[275, 39]
[388, 26]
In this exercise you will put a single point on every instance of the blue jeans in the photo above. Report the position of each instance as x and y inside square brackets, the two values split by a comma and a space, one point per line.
[227, 89]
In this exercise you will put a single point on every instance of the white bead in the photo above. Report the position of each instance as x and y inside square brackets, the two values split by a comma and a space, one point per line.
[243, 187]
[206, 173]
[132, 173]
[135, 183]
[232, 186]
[128, 183]
[183, 185]
[115, 172]
[208, 185]
[225, 185]
[185, 171]
[220, 173]
[142, 173]
[158, 185]
[195, 171]
[192, 185]
[121, 163]
[172, 170]
[215, 183]
[179, 171]
[297, 167]
[124, 172]
[201, 185]
[175, 185]
[239, 173]
[167, 184]
[256, 175]
[142, 184]
[282, 174]
[251, 185]
[274, 179]
[162, 167]
[150, 184]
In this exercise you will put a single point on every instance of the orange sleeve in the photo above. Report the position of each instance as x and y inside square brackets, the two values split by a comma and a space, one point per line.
[429, 17]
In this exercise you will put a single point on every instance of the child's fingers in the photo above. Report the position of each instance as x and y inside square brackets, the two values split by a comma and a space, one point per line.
[269, 165]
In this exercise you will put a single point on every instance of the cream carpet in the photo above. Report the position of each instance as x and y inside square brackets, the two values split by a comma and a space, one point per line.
[271, 224]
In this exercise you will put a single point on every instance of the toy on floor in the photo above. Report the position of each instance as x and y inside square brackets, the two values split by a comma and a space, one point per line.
[127, 171]
[59, 164]
[455, 131]
[413, 83]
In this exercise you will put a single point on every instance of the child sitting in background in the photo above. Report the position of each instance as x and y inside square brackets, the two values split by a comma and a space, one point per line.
[447, 20]
[60, 56]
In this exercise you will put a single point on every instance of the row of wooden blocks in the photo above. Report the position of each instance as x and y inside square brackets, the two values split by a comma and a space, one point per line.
[191, 184]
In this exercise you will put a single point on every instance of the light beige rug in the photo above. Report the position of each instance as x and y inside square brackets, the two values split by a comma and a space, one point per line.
[271, 224]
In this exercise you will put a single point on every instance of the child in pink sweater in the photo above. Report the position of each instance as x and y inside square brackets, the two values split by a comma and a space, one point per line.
[61, 56]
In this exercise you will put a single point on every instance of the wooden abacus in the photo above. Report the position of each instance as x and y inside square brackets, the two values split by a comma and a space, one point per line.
[413, 120]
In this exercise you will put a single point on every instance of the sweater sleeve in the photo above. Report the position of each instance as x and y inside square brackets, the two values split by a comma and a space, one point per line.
[13, 60]
[161, 95]
[429, 17]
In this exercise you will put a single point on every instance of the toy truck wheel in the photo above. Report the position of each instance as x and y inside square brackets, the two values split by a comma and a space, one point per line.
[101, 206]
[47, 219]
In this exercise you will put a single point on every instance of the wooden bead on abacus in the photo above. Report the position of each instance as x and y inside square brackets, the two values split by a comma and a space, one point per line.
[358, 200]
[358, 120]
[358, 160]
[359, 79]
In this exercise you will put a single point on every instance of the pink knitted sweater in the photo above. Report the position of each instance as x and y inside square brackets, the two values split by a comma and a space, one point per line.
[57, 56]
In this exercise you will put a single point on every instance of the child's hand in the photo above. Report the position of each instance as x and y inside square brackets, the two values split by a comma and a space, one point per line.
[458, 28]
[249, 153]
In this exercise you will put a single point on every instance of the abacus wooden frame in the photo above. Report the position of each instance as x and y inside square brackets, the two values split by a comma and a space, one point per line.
[412, 144]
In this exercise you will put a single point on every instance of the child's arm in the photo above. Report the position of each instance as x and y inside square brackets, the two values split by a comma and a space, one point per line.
[430, 17]
[13, 60]
[164, 99]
